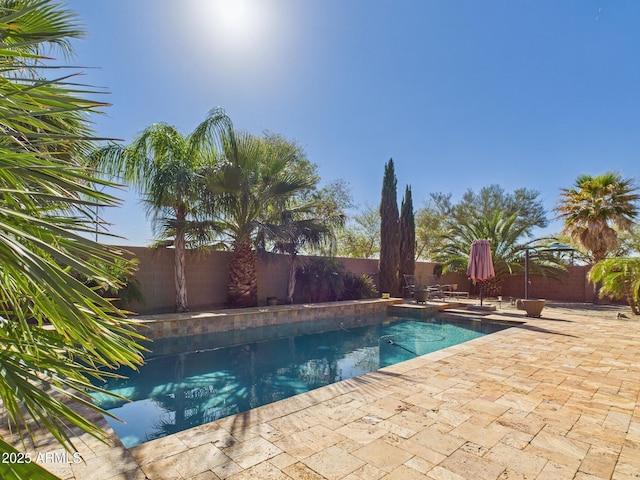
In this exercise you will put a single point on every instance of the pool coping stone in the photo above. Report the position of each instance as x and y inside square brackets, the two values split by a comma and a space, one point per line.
[555, 397]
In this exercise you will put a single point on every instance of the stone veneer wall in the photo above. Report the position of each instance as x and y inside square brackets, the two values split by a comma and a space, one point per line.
[164, 326]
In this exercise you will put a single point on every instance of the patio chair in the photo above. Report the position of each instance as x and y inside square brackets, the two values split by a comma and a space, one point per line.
[433, 281]
[410, 285]
[430, 291]
[436, 290]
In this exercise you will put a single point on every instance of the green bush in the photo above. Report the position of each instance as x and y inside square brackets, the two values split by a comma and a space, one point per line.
[325, 279]
[126, 288]
[358, 287]
[321, 279]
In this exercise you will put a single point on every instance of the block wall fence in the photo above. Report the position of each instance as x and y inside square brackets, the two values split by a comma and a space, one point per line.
[207, 275]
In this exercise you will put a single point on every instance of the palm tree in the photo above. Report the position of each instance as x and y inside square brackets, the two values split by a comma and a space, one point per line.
[298, 228]
[46, 203]
[168, 169]
[508, 239]
[254, 183]
[620, 278]
[594, 208]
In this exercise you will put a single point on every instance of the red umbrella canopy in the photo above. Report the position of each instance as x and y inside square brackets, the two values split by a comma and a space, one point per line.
[480, 263]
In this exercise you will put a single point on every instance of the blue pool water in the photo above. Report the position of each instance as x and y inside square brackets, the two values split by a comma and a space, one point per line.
[224, 374]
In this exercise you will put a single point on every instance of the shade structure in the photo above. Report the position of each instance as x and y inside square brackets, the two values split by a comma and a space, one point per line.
[480, 268]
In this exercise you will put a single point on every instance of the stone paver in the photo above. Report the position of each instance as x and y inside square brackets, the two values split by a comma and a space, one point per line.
[555, 398]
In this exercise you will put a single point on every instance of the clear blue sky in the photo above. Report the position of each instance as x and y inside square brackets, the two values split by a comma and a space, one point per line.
[461, 93]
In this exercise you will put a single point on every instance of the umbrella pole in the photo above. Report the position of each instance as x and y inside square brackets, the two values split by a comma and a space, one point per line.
[480, 293]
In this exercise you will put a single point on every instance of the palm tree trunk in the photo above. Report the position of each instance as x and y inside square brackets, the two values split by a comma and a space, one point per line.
[631, 301]
[597, 257]
[291, 287]
[243, 279]
[596, 293]
[181, 281]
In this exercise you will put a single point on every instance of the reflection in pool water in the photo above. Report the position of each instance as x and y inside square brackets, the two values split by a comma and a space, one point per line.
[209, 381]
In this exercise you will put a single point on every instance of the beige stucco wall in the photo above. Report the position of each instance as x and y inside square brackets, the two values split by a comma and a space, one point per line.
[206, 274]
[207, 277]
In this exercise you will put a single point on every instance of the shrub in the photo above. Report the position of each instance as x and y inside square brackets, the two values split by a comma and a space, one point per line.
[619, 278]
[324, 279]
[357, 287]
[125, 290]
[321, 279]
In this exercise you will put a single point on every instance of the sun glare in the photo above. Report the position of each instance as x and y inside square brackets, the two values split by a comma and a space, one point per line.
[237, 19]
[243, 29]
[242, 46]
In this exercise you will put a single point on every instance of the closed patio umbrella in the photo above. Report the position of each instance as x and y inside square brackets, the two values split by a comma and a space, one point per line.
[480, 266]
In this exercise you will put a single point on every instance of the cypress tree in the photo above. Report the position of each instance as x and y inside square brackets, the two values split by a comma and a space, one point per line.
[389, 233]
[407, 235]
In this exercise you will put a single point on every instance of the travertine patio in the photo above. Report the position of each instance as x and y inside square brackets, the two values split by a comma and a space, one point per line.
[556, 398]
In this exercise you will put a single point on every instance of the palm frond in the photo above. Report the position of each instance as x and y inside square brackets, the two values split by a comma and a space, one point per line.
[55, 332]
[595, 206]
[508, 239]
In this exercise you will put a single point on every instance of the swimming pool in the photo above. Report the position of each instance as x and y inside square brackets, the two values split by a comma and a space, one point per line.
[213, 376]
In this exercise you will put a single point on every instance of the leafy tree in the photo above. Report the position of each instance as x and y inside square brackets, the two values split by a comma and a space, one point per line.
[440, 214]
[432, 223]
[594, 209]
[329, 204]
[46, 216]
[333, 197]
[361, 237]
[167, 168]
[523, 203]
[628, 242]
[407, 235]
[389, 233]
[257, 181]
[508, 241]
[620, 278]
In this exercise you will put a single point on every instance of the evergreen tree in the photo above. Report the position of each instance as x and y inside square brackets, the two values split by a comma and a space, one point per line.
[407, 235]
[389, 233]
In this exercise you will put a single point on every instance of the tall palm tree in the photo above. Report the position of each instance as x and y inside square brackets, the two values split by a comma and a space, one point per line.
[46, 203]
[254, 183]
[167, 168]
[594, 208]
[508, 239]
[592, 211]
